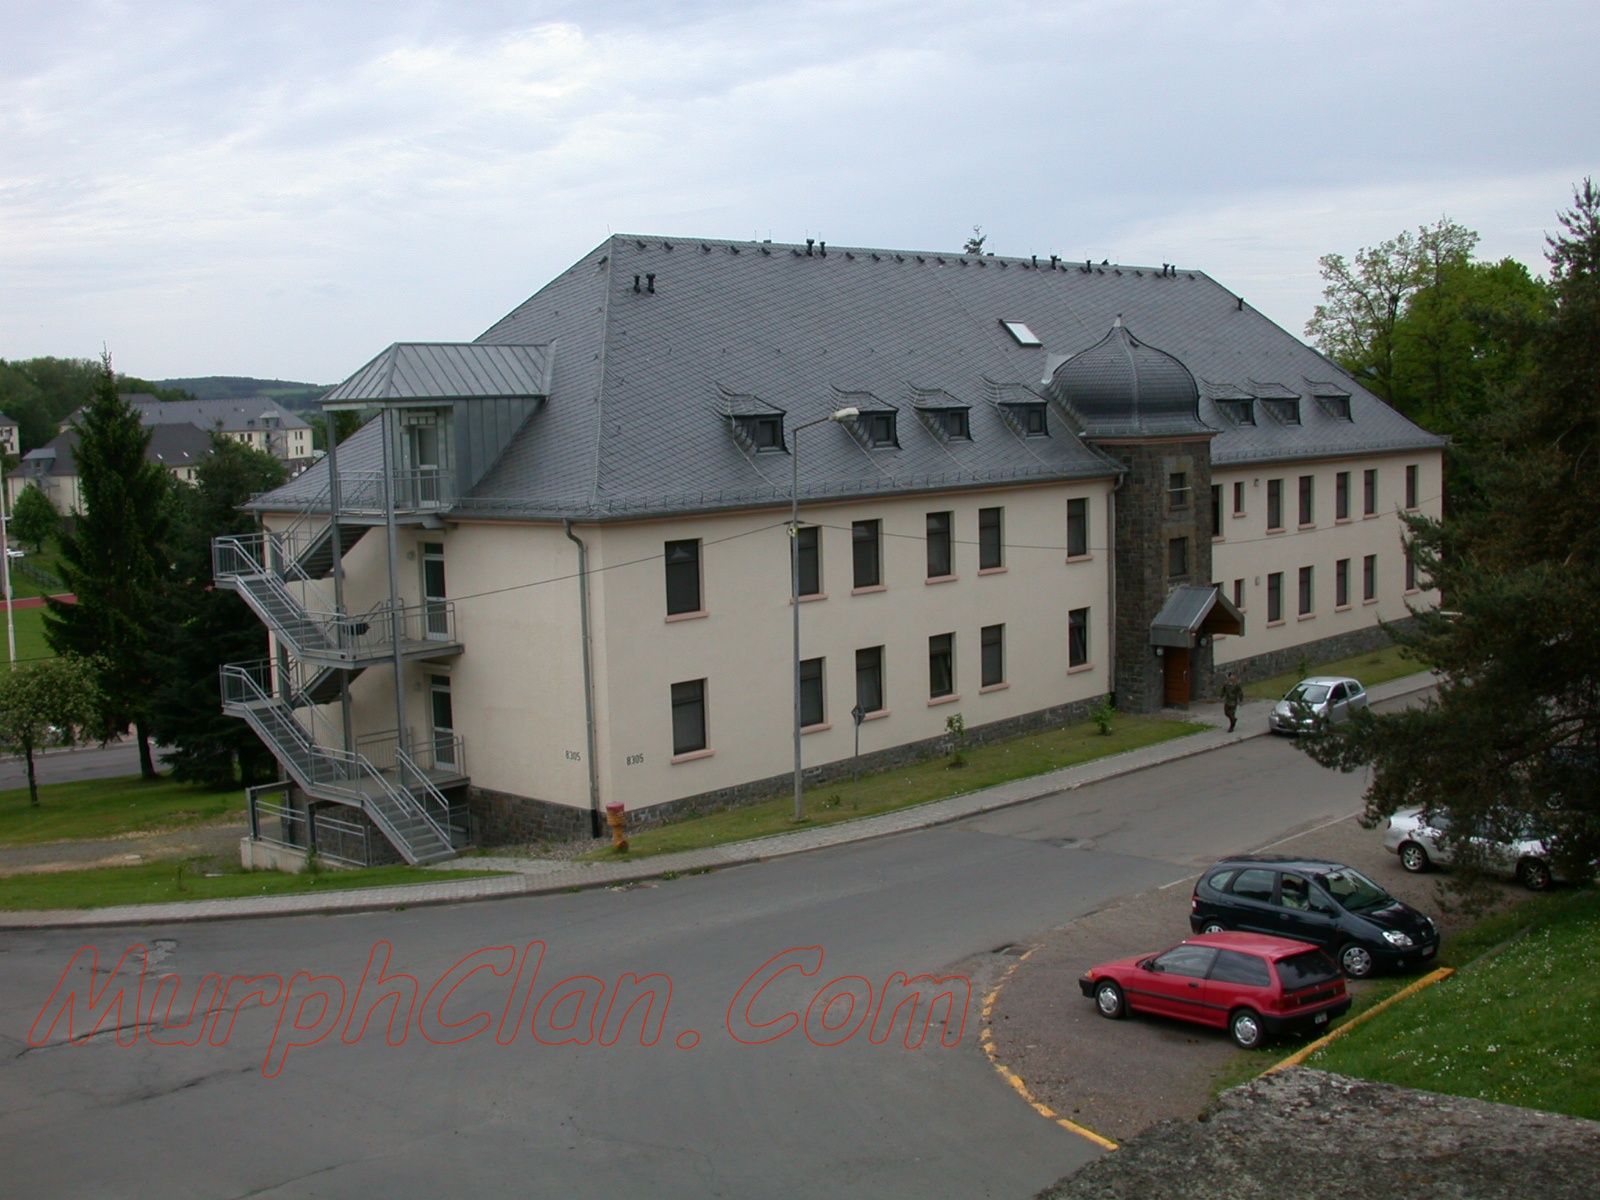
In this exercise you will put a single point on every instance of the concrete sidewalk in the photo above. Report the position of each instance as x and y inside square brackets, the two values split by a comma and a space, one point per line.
[534, 876]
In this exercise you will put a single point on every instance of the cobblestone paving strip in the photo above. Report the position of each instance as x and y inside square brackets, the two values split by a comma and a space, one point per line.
[543, 876]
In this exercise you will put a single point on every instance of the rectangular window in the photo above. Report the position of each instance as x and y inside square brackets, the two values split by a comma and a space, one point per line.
[939, 563]
[808, 543]
[941, 665]
[1274, 504]
[1341, 496]
[1369, 493]
[689, 716]
[954, 424]
[435, 605]
[1307, 494]
[869, 679]
[683, 577]
[1411, 572]
[1275, 597]
[1341, 582]
[865, 537]
[1177, 557]
[1035, 422]
[1411, 486]
[1077, 528]
[1216, 510]
[1178, 489]
[1078, 637]
[1369, 577]
[994, 655]
[812, 709]
[1238, 594]
[1307, 598]
[879, 428]
[991, 539]
[1238, 498]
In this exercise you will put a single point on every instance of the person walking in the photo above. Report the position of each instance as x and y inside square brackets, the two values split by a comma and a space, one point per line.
[1232, 697]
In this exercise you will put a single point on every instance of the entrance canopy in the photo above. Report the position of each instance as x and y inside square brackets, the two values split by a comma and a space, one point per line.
[1191, 611]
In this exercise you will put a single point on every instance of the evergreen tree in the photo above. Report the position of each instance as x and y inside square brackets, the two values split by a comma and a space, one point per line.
[202, 627]
[114, 561]
[35, 518]
[1512, 740]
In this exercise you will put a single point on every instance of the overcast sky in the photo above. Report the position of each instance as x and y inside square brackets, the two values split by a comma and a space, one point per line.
[284, 189]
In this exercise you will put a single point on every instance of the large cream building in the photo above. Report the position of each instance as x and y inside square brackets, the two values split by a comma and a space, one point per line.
[560, 575]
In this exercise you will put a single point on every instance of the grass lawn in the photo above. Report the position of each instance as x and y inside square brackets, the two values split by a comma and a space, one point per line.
[903, 786]
[45, 560]
[103, 808]
[30, 635]
[164, 882]
[1520, 1026]
[1374, 667]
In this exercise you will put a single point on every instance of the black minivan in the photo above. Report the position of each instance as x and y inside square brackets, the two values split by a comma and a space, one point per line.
[1327, 903]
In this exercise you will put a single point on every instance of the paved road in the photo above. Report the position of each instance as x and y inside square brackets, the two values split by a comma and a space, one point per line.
[69, 766]
[720, 1119]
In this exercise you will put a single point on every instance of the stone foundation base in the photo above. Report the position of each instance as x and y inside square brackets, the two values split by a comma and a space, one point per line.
[269, 856]
[1279, 662]
[501, 817]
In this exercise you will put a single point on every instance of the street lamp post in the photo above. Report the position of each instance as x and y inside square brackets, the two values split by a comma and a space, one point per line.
[843, 414]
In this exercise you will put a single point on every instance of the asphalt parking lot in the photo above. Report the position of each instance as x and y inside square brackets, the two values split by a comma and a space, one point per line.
[1119, 1077]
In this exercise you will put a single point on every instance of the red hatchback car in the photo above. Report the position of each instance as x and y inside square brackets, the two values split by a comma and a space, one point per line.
[1251, 984]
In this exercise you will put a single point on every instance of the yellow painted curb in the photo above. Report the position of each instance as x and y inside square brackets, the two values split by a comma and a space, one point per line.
[1305, 1052]
[986, 1040]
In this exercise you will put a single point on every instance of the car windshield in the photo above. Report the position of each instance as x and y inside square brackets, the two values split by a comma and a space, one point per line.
[1354, 890]
[1305, 970]
[1307, 693]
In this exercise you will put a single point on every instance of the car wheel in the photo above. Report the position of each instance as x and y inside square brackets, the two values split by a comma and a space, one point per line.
[1246, 1029]
[1108, 1001]
[1357, 960]
[1533, 875]
[1414, 858]
[1213, 927]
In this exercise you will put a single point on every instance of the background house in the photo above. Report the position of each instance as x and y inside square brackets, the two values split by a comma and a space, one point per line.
[9, 432]
[261, 424]
[53, 467]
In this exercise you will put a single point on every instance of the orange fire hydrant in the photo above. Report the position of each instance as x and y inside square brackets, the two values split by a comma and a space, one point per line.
[617, 818]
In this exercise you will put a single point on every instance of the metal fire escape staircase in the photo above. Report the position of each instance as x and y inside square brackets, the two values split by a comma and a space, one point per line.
[319, 649]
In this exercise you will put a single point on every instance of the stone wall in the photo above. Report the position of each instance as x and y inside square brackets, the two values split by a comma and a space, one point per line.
[1146, 522]
[500, 818]
[1279, 662]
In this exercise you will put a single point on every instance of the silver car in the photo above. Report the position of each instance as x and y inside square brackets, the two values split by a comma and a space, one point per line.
[1423, 841]
[1316, 703]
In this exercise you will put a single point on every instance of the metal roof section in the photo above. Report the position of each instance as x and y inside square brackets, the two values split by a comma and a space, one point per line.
[1122, 387]
[627, 430]
[411, 371]
[1192, 611]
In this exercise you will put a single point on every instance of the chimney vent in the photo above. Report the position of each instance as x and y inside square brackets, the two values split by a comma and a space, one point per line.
[650, 284]
[809, 243]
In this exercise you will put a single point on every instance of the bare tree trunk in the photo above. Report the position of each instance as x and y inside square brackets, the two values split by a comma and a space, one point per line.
[33, 782]
[147, 764]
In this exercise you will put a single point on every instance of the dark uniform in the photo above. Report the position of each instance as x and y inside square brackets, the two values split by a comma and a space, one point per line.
[1232, 697]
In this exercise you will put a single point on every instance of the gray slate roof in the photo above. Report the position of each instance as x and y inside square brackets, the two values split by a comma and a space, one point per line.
[233, 416]
[173, 446]
[643, 385]
[421, 370]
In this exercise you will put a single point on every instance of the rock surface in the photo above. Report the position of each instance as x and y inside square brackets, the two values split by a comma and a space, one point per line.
[1310, 1133]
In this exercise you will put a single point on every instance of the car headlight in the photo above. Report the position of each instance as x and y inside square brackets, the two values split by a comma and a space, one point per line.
[1395, 938]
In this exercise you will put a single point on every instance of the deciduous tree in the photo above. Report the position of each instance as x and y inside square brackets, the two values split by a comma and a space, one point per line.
[46, 703]
[1512, 740]
[35, 518]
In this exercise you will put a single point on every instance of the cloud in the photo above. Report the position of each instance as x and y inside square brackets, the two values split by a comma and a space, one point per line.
[283, 191]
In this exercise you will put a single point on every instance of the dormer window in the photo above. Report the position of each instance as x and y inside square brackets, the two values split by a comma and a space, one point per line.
[953, 422]
[1287, 411]
[1240, 412]
[1337, 407]
[1035, 422]
[764, 433]
[878, 428]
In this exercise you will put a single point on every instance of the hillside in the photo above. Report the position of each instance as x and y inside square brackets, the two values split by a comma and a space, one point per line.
[287, 392]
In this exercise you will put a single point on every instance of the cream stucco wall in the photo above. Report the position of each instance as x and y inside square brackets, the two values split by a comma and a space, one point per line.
[1249, 552]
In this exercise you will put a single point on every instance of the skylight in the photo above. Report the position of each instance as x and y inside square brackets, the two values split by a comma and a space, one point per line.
[1021, 332]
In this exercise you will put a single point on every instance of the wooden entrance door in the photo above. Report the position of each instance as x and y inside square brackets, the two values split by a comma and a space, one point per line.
[1177, 675]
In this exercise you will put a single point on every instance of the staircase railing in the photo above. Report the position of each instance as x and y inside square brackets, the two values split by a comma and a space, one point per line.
[327, 772]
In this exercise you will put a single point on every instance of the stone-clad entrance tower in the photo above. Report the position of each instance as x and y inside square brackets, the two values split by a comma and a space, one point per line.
[1140, 406]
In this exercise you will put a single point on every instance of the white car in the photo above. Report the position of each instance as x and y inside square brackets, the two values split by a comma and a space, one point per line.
[12, 552]
[1423, 841]
[1316, 703]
